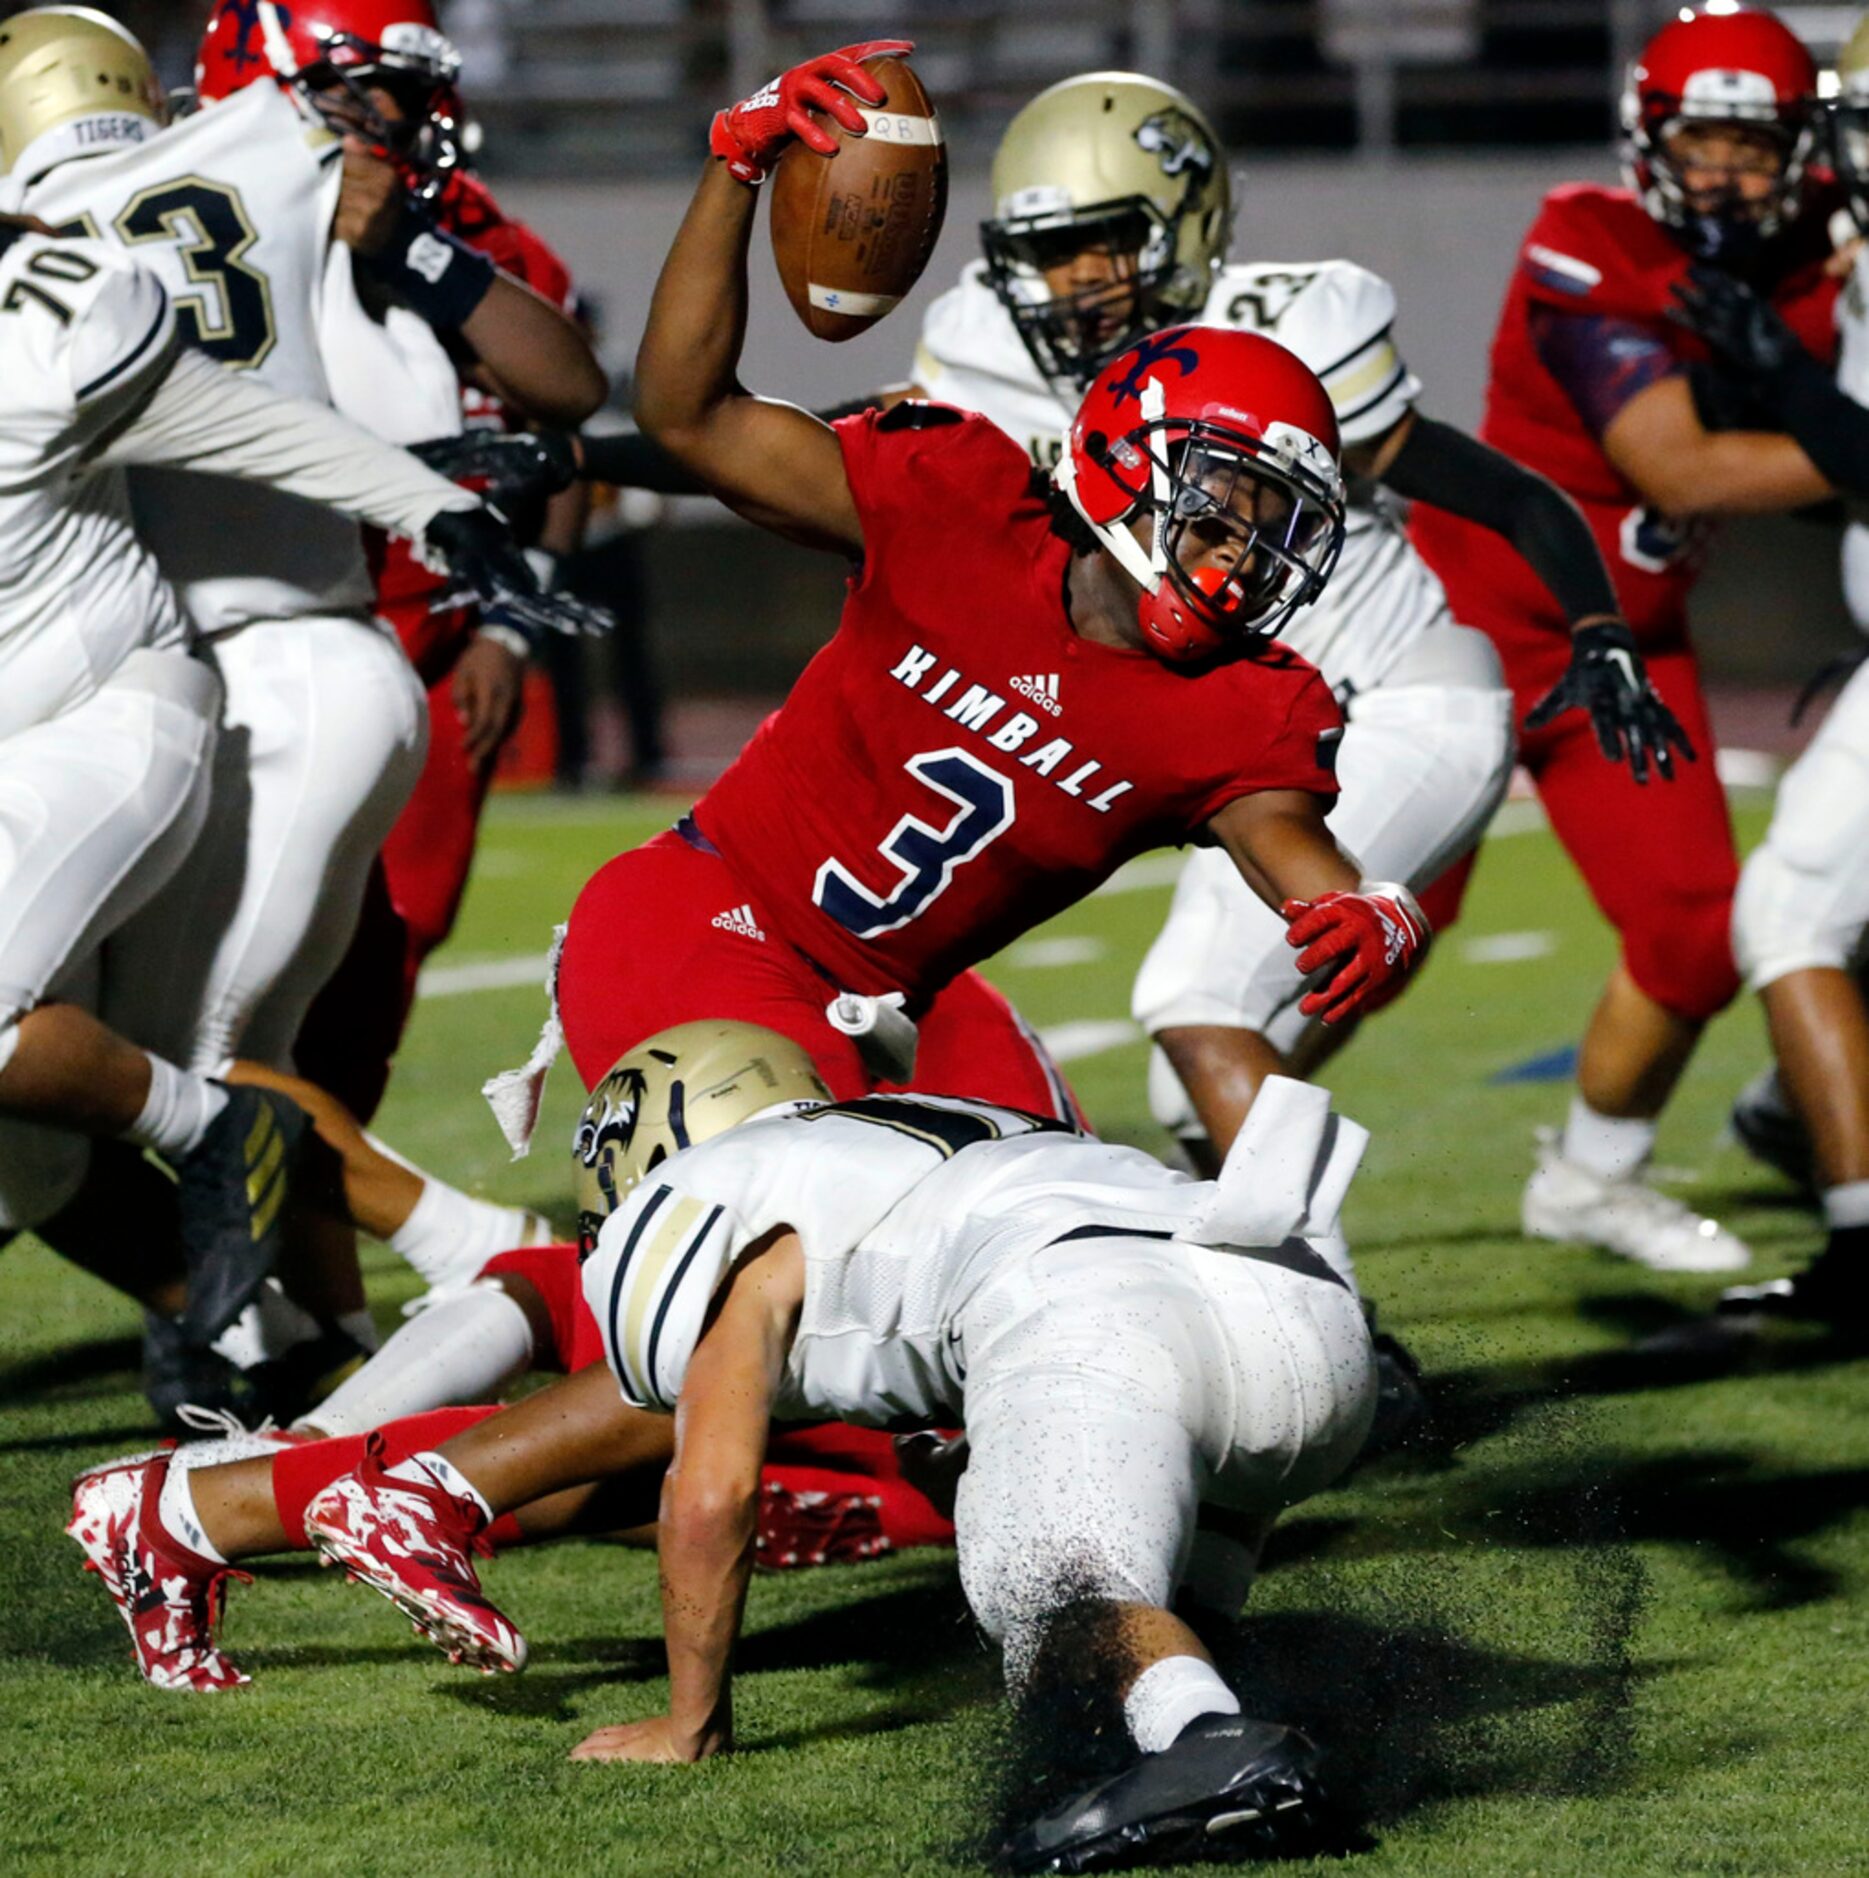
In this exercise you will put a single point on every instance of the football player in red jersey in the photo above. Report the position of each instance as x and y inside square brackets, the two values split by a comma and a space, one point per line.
[905, 815]
[1594, 384]
[383, 73]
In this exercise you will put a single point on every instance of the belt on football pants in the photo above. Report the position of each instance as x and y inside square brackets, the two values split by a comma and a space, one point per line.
[1293, 1256]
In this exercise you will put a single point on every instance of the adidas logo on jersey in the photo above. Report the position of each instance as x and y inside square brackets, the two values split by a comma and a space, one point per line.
[739, 919]
[1042, 691]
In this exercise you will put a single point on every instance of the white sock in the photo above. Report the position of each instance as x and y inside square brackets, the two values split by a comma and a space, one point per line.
[1847, 1205]
[1170, 1694]
[176, 1512]
[461, 1349]
[360, 1327]
[449, 1235]
[270, 1326]
[432, 1469]
[179, 1109]
[1613, 1147]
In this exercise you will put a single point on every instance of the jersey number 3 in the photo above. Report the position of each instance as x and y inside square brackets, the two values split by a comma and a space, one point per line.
[226, 310]
[926, 857]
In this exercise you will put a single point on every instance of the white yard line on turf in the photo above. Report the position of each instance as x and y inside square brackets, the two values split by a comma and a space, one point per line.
[450, 981]
[1507, 948]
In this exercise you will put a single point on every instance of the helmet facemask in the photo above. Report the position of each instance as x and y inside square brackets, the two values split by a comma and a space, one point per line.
[418, 73]
[1242, 530]
[1723, 226]
[1072, 334]
[1849, 147]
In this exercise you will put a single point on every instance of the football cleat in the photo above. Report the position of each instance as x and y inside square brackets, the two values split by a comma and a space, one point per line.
[415, 1544]
[1817, 1295]
[1566, 1202]
[800, 1528]
[1765, 1125]
[169, 1597]
[1227, 1787]
[231, 1199]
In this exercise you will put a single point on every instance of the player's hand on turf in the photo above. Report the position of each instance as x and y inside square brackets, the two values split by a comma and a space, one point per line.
[752, 135]
[1373, 936]
[1741, 328]
[488, 687]
[477, 549]
[516, 466]
[1607, 678]
[370, 198]
[657, 1739]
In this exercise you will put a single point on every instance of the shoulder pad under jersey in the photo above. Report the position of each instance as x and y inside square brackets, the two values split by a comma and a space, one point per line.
[1595, 250]
[1338, 318]
[918, 414]
[967, 330]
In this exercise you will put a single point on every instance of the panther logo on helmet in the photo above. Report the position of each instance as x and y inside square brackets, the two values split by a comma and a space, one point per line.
[1179, 142]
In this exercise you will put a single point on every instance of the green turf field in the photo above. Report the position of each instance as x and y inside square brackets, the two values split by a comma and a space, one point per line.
[1619, 1628]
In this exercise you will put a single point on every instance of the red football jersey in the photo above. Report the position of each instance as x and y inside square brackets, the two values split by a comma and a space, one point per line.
[957, 764]
[404, 586]
[1590, 297]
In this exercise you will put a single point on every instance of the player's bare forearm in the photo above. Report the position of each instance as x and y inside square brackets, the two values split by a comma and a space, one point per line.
[1659, 445]
[537, 358]
[1282, 846]
[706, 1548]
[775, 464]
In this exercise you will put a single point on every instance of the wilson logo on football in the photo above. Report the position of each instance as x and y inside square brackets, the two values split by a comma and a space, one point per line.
[739, 919]
[1042, 691]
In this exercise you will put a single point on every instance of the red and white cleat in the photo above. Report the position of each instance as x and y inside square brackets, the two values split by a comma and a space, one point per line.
[800, 1527]
[415, 1542]
[169, 1597]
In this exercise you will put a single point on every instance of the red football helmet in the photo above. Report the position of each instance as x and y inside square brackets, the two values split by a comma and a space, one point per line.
[1719, 64]
[334, 52]
[1231, 443]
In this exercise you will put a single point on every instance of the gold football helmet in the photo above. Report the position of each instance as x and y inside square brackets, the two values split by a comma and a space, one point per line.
[679, 1087]
[1115, 164]
[67, 66]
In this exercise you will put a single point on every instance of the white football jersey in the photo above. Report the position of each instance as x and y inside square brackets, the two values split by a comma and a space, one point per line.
[1853, 377]
[1337, 318]
[904, 1206]
[84, 332]
[387, 370]
[232, 209]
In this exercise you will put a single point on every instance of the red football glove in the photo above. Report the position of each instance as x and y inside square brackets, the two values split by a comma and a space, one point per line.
[1375, 934]
[751, 136]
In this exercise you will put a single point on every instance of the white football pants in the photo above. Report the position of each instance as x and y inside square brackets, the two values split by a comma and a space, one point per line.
[1803, 897]
[99, 808]
[1425, 760]
[324, 732]
[1113, 1385]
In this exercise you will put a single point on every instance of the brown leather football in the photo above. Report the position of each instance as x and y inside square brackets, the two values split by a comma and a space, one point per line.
[852, 232]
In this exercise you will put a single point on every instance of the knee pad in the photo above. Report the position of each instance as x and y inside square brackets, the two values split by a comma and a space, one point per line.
[41, 1170]
[1683, 957]
[1786, 919]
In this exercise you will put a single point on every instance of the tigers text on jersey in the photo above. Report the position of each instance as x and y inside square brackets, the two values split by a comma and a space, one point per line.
[904, 1206]
[84, 332]
[1585, 326]
[1337, 318]
[958, 764]
[231, 209]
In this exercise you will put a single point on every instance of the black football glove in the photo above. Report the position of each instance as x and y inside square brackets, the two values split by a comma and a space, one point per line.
[517, 466]
[479, 554]
[1742, 330]
[1607, 678]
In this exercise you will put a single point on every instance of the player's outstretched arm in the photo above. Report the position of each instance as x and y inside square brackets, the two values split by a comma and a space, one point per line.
[1428, 461]
[534, 357]
[773, 463]
[1360, 937]
[710, 1499]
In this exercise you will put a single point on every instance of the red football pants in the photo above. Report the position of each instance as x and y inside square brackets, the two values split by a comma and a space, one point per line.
[1658, 858]
[410, 905]
[658, 937]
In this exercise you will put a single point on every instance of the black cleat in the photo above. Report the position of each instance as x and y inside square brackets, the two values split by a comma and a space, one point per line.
[1813, 1296]
[231, 1194]
[177, 1373]
[1766, 1127]
[1228, 1786]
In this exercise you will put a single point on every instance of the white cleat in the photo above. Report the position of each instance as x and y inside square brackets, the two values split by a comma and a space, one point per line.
[1569, 1203]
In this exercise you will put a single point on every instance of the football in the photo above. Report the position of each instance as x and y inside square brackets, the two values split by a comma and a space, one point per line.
[851, 233]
